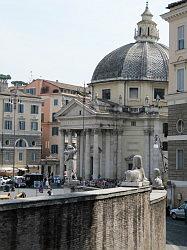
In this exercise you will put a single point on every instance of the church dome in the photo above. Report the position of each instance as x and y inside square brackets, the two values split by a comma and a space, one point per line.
[143, 60]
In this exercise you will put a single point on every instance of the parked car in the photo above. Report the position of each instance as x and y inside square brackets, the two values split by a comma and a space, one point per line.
[8, 185]
[179, 212]
[4, 180]
[19, 181]
[30, 179]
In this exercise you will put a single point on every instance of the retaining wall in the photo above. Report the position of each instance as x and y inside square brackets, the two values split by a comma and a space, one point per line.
[112, 219]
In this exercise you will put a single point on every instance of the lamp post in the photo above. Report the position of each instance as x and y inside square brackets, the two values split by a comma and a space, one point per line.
[14, 100]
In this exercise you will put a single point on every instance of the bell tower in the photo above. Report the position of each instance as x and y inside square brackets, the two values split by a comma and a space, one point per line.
[147, 29]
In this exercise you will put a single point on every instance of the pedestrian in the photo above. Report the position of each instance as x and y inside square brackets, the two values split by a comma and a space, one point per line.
[49, 192]
[47, 183]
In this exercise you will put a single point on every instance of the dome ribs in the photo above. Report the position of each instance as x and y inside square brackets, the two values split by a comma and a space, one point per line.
[144, 61]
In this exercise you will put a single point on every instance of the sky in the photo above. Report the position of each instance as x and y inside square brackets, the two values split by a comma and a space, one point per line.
[64, 40]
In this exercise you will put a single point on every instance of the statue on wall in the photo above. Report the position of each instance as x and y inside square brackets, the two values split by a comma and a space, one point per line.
[157, 182]
[70, 161]
[136, 176]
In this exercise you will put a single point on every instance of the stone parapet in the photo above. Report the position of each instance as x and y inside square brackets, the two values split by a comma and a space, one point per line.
[118, 218]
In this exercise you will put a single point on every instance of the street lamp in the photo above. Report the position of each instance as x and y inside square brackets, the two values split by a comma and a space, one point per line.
[14, 100]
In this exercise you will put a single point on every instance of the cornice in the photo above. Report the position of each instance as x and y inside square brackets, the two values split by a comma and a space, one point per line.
[174, 14]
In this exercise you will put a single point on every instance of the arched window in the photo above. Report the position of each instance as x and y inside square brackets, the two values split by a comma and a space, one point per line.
[21, 143]
[148, 31]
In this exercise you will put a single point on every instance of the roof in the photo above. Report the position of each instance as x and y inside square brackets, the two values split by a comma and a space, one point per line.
[145, 61]
[171, 5]
[9, 92]
[64, 85]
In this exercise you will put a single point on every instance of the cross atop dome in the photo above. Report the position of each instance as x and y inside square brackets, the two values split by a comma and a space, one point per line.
[147, 28]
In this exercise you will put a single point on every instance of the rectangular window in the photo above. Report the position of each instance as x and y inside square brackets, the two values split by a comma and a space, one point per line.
[44, 90]
[55, 102]
[106, 94]
[55, 131]
[54, 149]
[8, 125]
[133, 124]
[67, 102]
[34, 109]
[133, 93]
[42, 117]
[8, 107]
[34, 125]
[53, 117]
[179, 159]
[159, 93]
[33, 157]
[20, 108]
[181, 37]
[130, 166]
[165, 146]
[20, 156]
[21, 125]
[165, 129]
[7, 156]
[180, 79]
[31, 91]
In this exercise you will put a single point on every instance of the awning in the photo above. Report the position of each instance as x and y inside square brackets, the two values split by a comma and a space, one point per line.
[8, 169]
[34, 166]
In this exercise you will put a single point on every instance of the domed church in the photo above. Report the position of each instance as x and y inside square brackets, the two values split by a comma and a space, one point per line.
[127, 113]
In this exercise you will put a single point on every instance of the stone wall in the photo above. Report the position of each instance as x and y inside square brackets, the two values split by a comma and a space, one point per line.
[108, 219]
[158, 220]
[173, 173]
[177, 112]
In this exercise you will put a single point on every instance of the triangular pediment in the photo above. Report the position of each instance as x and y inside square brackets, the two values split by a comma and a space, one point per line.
[75, 108]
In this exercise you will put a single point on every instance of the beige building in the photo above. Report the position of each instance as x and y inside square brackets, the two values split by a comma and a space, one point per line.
[177, 101]
[20, 132]
[128, 111]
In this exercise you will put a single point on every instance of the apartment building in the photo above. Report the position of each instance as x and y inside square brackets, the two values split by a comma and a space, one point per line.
[54, 95]
[177, 101]
[20, 132]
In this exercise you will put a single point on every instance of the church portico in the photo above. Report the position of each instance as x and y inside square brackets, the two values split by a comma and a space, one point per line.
[97, 153]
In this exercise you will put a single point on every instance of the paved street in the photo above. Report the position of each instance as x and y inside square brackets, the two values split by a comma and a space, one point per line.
[176, 234]
[31, 192]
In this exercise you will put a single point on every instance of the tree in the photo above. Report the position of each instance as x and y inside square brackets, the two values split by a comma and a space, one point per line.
[4, 78]
[19, 83]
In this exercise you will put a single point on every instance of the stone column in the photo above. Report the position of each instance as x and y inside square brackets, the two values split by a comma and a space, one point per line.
[81, 154]
[148, 149]
[69, 137]
[107, 155]
[78, 153]
[87, 155]
[119, 154]
[96, 154]
[61, 151]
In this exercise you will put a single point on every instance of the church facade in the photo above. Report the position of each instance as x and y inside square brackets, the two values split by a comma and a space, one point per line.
[127, 114]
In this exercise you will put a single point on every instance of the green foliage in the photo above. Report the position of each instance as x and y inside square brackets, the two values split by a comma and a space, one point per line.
[19, 83]
[4, 78]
